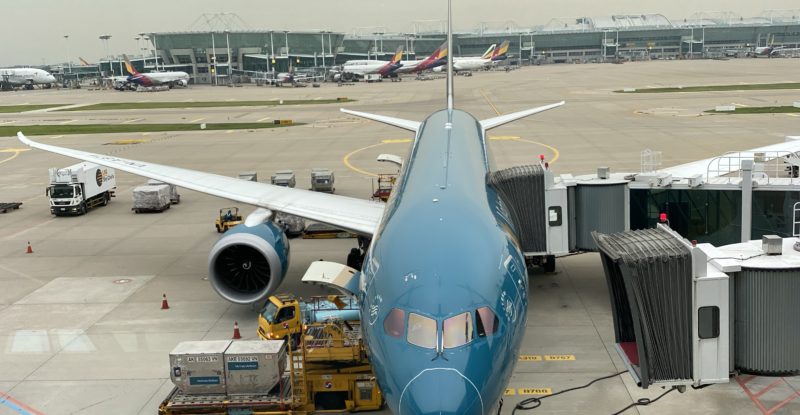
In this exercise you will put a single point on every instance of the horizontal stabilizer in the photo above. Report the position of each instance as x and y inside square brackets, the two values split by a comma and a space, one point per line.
[397, 122]
[507, 118]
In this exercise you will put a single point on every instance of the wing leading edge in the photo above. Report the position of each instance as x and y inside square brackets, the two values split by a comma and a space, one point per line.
[356, 215]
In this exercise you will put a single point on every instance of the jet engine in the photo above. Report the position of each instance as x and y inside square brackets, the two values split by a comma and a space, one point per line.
[249, 262]
[182, 82]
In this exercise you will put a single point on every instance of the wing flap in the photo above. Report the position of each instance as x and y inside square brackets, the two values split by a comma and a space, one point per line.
[356, 215]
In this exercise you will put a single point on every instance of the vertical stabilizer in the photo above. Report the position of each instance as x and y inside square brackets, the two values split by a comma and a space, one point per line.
[129, 66]
[449, 55]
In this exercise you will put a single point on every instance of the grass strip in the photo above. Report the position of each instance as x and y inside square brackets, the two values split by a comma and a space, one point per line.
[199, 104]
[758, 110]
[22, 108]
[711, 88]
[31, 130]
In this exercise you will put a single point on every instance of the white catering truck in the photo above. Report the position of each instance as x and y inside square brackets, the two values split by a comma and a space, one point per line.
[75, 189]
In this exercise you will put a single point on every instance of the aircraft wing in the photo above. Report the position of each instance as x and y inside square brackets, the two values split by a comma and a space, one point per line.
[356, 215]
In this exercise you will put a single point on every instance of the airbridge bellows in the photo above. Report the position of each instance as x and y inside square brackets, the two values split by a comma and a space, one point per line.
[522, 188]
[649, 276]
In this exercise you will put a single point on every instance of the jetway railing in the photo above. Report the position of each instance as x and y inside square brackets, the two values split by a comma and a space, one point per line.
[769, 165]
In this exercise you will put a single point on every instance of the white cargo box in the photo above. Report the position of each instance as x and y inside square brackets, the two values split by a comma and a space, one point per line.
[151, 198]
[197, 367]
[174, 197]
[255, 366]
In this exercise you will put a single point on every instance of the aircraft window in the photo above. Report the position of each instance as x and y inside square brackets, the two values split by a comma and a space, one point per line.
[394, 324]
[421, 331]
[457, 330]
[486, 321]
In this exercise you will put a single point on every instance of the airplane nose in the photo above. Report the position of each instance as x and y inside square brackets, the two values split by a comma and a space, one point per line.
[440, 391]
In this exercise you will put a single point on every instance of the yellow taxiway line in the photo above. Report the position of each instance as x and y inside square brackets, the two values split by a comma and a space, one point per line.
[16, 152]
[346, 160]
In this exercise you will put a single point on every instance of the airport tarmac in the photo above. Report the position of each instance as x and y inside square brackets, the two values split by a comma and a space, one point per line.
[81, 329]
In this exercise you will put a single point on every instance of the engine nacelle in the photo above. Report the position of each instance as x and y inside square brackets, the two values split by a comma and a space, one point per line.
[182, 82]
[248, 263]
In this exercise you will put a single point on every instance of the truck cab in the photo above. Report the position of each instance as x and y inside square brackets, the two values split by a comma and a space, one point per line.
[65, 198]
[284, 315]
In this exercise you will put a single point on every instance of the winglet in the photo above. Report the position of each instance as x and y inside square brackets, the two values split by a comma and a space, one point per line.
[396, 122]
[507, 118]
[24, 139]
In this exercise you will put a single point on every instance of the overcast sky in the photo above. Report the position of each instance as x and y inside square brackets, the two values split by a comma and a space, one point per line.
[33, 31]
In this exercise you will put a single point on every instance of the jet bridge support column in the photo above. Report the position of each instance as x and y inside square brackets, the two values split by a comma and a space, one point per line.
[747, 199]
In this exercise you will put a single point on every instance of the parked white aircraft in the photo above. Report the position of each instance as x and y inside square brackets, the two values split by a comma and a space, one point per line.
[26, 77]
[477, 63]
[173, 78]
[361, 67]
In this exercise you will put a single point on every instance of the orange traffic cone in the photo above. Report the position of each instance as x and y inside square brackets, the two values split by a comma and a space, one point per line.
[30, 250]
[164, 303]
[236, 334]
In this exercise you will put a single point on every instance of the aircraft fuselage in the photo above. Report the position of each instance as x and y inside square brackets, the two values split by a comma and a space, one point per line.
[444, 262]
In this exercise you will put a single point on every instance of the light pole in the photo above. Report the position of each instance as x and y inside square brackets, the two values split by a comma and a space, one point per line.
[69, 63]
[228, 46]
[322, 38]
[272, 51]
[286, 39]
[104, 39]
[155, 50]
[214, 59]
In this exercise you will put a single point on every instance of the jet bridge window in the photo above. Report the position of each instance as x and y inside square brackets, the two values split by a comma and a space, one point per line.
[486, 321]
[457, 331]
[394, 324]
[421, 331]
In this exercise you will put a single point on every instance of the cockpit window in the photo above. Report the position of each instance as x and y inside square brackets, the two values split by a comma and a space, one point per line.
[421, 331]
[486, 321]
[395, 323]
[457, 331]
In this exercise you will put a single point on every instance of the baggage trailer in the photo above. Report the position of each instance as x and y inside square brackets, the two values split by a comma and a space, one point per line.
[276, 401]
[328, 370]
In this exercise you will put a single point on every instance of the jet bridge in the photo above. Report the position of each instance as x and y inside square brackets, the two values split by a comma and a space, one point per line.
[667, 307]
[691, 314]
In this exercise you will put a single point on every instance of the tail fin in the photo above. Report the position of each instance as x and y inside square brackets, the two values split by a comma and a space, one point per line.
[397, 55]
[130, 67]
[500, 52]
[449, 52]
[83, 61]
[440, 52]
[489, 52]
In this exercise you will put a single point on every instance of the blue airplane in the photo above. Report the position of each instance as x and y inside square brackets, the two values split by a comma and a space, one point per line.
[443, 288]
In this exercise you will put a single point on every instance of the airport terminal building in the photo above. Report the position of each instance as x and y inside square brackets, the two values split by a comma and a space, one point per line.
[212, 56]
